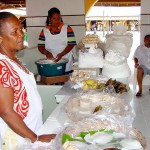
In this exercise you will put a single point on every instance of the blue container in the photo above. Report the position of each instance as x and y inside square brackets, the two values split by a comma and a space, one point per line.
[51, 69]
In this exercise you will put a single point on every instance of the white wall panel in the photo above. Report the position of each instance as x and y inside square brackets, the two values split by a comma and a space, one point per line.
[145, 29]
[145, 19]
[71, 20]
[145, 4]
[67, 7]
[33, 36]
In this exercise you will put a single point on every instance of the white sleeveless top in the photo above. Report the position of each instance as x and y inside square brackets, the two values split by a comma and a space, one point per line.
[57, 43]
[33, 120]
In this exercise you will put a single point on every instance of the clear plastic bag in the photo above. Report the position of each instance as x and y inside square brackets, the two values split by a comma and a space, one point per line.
[84, 105]
[27, 145]
[99, 123]
[86, 59]
[100, 84]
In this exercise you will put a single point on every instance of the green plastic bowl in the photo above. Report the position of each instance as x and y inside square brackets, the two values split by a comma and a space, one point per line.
[49, 69]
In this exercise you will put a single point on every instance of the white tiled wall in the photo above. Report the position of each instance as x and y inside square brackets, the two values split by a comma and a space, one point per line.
[67, 7]
[145, 6]
[37, 17]
[39, 22]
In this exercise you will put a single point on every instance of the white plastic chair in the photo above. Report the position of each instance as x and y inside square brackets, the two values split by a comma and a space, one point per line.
[146, 79]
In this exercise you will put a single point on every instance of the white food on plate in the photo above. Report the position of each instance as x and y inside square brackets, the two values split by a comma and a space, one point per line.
[98, 138]
[131, 144]
[118, 135]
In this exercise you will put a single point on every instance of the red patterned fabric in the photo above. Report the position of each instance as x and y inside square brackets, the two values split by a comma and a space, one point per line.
[9, 78]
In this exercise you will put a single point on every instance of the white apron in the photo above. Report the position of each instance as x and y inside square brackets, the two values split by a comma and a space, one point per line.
[57, 43]
[34, 117]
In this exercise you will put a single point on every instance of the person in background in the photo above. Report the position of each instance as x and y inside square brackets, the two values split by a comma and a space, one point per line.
[57, 39]
[20, 102]
[142, 62]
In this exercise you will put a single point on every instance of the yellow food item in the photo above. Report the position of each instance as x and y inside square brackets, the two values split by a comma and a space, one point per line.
[85, 87]
[90, 81]
[90, 84]
[102, 85]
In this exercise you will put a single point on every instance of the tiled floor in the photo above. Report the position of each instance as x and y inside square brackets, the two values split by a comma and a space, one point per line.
[141, 106]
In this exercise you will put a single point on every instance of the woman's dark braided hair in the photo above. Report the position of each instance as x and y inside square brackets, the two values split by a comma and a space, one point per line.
[51, 12]
[3, 16]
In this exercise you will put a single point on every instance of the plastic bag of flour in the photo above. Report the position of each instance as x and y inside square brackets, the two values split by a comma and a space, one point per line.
[91, 60]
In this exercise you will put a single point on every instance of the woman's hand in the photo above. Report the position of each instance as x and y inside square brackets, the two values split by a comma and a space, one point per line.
[136, 64]
[49, 55]
[58, 57]
[46, 137]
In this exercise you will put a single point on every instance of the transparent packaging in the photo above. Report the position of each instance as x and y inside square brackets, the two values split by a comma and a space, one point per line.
[97, 124]
[84, 105]
[99, 84]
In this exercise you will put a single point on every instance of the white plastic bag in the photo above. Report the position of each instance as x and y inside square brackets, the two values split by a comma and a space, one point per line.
[91, 60]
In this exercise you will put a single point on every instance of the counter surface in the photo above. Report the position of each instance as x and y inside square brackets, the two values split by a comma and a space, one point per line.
[64, 91]
[55, 120]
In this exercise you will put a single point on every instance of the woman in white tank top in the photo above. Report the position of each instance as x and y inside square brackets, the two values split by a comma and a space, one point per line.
[20, 102]
[57, 39]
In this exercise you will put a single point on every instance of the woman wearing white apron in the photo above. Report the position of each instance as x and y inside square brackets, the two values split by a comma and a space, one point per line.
[57, 39]
[20, 102]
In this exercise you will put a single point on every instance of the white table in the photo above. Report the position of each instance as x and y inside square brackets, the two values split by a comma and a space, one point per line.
[63, 92]
[55, 120]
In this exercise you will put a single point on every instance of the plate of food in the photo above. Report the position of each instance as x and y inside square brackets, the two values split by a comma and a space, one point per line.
[101, 133]
[101, 140]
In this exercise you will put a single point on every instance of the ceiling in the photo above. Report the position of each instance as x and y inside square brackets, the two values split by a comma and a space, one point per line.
[5, 4]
